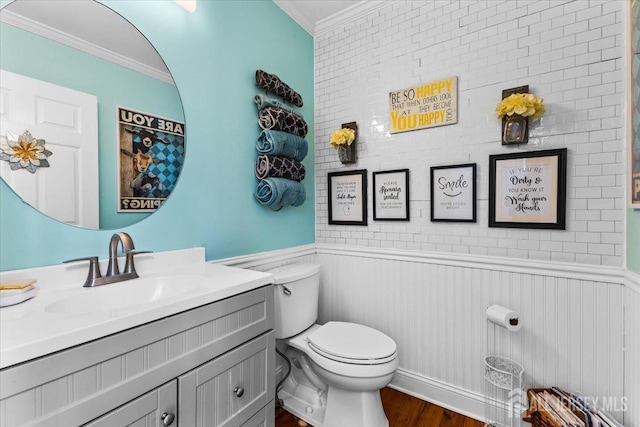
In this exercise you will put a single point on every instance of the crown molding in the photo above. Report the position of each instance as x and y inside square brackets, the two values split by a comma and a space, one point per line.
[348, 15]
[331, 22]
[294, 13]
[50, 33]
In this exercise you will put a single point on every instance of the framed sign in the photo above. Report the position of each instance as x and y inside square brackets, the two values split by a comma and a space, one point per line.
[150, 158]
[424, 106]
[391, 195]
[453, 193]
[528, 190]
[348, 197]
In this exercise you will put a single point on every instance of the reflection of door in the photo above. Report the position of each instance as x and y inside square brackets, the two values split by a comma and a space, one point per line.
[68, 121]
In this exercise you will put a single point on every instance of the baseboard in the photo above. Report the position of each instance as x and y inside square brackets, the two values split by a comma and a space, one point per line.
[457, 399]
[448, 396]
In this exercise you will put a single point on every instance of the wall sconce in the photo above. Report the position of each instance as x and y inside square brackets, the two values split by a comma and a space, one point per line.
[515, 109]
[345, 142]
[189, 5]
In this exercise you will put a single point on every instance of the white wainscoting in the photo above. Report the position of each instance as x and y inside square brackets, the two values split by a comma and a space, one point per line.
[433, 306]
[632, 350]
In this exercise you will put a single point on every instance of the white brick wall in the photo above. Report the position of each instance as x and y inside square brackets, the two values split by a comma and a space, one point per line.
[569, 52]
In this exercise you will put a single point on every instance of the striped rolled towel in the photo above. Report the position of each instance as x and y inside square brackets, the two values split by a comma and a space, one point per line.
[273, 84]
[278, 143]
[274, 118]
[279, 167]
[275, 193]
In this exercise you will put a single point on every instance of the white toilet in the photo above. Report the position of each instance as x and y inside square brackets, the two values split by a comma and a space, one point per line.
[337, 369]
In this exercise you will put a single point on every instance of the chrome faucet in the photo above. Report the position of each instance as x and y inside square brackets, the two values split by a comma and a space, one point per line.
[95, 278]
[127, 247]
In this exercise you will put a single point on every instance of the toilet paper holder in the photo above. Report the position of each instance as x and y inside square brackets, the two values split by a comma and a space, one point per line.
[504, 317]
[504, 377]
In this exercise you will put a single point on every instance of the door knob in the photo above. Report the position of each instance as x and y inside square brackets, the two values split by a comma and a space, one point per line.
[167, 418]
[239, 391]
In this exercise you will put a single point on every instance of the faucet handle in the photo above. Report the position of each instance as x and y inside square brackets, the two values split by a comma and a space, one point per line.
[129, 267]
[94, 270]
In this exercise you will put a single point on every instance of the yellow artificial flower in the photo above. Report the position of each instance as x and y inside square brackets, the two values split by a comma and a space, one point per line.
[343, 136]
[523, 104]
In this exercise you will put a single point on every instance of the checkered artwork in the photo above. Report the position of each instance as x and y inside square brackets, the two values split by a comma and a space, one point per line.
[150, 160]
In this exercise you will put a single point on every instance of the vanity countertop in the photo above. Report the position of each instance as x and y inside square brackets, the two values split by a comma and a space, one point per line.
[61, 315]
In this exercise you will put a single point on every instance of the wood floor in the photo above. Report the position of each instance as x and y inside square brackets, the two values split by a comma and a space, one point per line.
[402, 411]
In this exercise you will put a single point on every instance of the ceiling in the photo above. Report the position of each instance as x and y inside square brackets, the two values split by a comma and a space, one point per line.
[307, 13]
[81, 21]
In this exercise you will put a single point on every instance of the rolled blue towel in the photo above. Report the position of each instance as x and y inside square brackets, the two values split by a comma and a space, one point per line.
[263, 101]
[275, 193]
[279, 143]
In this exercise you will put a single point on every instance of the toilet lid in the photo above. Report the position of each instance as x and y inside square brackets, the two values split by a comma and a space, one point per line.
[352, 343]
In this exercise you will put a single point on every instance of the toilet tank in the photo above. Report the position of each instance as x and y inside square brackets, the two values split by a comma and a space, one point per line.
[296, 298]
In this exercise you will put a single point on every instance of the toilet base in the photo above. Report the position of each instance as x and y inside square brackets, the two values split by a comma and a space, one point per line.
[363, 409]
[334, 407]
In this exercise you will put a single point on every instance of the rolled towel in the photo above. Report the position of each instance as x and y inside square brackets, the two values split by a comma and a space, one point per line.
[279, 167]
[278, 143]
[275, 193]
[278, 119]
[273, 84]
[263, 101]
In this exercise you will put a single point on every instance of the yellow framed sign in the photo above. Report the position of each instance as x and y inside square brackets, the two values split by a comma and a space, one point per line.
[424, 106]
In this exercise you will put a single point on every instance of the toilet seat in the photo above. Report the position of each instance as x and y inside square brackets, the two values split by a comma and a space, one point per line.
[347, 369]
[352, 343]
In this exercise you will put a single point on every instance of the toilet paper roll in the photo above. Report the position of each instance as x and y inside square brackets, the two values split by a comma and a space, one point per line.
[504, 317]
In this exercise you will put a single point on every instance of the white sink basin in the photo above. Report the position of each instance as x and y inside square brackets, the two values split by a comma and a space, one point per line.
[122, 295]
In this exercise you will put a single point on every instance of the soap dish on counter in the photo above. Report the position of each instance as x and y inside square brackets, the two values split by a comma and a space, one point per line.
[12, 295]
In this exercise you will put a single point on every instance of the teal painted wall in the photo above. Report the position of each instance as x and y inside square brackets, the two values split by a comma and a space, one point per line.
[112, 84]
[212, 54]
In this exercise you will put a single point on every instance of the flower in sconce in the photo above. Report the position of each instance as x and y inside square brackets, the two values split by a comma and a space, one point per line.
[24, 151]
[522, 104]
[342, 137]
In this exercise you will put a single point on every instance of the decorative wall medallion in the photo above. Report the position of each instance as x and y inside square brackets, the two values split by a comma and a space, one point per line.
[24, 152]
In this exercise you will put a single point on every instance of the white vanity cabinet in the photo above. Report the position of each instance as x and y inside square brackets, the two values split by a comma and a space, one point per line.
[230, 389]
[156, 408]
[209, 366]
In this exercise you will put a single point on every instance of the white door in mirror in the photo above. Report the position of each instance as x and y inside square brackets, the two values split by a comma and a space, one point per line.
[67, 120]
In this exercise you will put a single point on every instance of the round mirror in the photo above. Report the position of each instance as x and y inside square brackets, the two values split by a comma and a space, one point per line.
[91, 127]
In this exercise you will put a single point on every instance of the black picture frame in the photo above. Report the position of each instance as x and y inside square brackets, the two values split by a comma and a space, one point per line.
[391, 195]
[347, 204]
[453, 193]
[531, 189]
